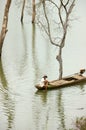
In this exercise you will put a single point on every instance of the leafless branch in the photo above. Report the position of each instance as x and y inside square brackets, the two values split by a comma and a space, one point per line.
[49, 32]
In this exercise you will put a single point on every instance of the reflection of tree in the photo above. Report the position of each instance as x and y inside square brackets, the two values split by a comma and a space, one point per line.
[48, 107]
[24, 56]
[7, 101]
[8, 109]
[34, 56]
[40, 115]
[61, 110]
[48, 110]
[2, 76]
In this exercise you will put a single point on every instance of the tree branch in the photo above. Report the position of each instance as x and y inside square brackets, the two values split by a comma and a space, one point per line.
[49, 32]
[4, 24]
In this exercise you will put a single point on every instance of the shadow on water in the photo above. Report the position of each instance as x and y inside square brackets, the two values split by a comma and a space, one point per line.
[8, 104]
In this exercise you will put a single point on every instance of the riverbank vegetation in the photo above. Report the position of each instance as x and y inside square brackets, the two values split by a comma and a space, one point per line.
[80, 124]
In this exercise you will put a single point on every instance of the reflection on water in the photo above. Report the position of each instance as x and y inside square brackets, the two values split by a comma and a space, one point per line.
[26, 57]
[81, 85]
[61, 110]
[50, 108]
[34, 56]
[41, 110]
[6, 101]
[2, 77]
[8, 107]
[57, 108]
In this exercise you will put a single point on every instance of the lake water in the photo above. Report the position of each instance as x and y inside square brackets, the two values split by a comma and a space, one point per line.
[26, 56]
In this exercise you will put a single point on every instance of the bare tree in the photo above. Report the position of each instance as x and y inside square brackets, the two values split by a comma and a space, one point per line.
[22, 13]
[60, 17]
[4, 24]
[33, 11]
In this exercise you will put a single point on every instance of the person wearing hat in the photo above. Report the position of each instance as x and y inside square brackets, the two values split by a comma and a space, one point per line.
[44, 82]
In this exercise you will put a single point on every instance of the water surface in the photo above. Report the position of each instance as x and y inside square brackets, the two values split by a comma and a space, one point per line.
[26, 56]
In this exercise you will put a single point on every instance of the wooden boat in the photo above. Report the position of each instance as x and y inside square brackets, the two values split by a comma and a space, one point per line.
[66, 81]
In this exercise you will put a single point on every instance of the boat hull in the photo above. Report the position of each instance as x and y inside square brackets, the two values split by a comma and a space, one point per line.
[66, 81]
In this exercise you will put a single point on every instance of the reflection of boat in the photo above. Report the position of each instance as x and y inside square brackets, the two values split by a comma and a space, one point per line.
[69, 80]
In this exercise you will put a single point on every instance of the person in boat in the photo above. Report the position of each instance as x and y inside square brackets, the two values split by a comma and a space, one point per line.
[44, 82]
[82, 71]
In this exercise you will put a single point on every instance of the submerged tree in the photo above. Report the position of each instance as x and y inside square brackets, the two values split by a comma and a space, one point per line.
[22, 13]
[55, 23]
[33, 11]
[4, 24]
[31, 8]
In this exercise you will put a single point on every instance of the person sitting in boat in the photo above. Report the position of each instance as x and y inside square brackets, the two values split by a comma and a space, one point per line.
[82, 71]
[44, 81]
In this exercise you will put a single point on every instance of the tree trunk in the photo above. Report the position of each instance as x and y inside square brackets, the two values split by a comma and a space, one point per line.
[64, 7]
[34, 11]
[22, 14]
[4, 25]
[59, 58]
